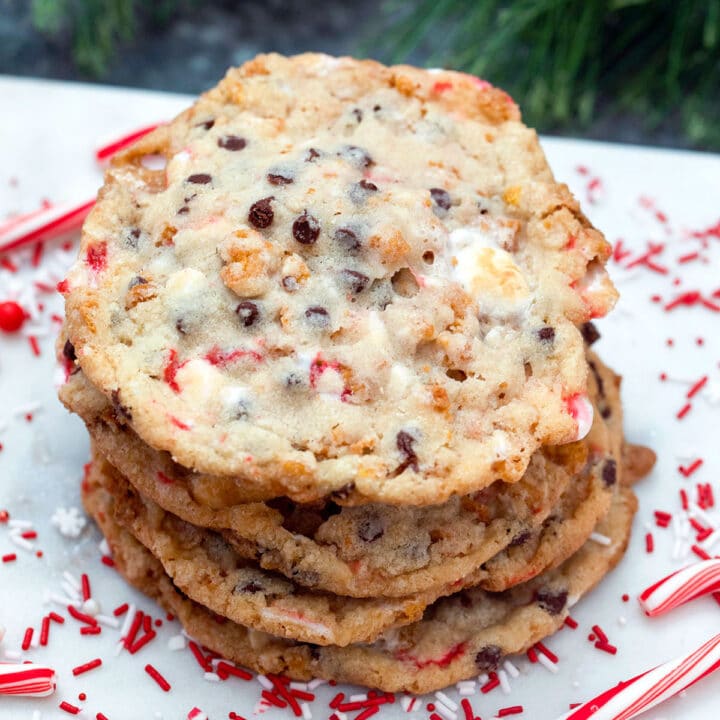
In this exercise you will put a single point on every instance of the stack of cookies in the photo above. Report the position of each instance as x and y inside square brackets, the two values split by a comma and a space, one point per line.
[329, 333]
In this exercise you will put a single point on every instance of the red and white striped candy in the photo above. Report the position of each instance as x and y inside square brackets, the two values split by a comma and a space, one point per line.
[45, 224]
[682, 586]
[28, 680]
[632, 697]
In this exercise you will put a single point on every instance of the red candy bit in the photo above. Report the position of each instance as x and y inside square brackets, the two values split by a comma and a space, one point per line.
[86, 667]
[34, 346]
[646, 259]
[12, 316]
[4, 516]
[649, 543]
[96, 256]
[142, 642]
[107, 560]
[222, 358]
[133, 631]
[697, 387]
[101, 716]
[662, 519]
[158, 678]
[171, 370]
[68, 708]
[441, 87]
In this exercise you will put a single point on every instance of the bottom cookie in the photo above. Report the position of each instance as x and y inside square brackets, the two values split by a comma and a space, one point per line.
[459, 637]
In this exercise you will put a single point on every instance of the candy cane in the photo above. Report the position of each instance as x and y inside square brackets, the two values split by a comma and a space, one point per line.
[28, 680]
[53, 221]
[107, 151]
[632, 697]
[681, 587]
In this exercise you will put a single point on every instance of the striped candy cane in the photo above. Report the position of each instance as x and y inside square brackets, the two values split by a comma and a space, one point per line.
[28, 680]
[632, 697]
[681, 587]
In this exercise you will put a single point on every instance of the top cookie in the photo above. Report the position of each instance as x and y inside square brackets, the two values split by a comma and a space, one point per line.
[330, 275]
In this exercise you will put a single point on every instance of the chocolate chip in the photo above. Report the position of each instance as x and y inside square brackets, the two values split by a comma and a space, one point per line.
[120, 409]
[344, 492]
[347, 239]
[358, 113]
[609, 473]
[520, 539]
[590, 333]
[290, 283]
[405, 441]
[200, 179]
[261, 213]
[306, 229]
[248, 312]
[357, 156]
[277, 179]
[606, 412]
[356, 281]
[371, 528]
[314, 652]
[318, 316]
[488, 659]
[250, 587]
[552, 601]
[546, 334]
[69, 351]
[132, 238]
[441, 198]
[232, 143]
[184, 210]
[376, 108]
[311, 154]
[137, 280]
[207, 125]
[368, 186]
[293, 380]
[181, 327]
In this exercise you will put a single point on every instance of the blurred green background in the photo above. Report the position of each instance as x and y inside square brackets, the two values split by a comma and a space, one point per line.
[644, 71]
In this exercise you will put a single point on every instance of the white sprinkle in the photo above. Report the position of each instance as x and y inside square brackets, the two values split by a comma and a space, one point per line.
[72, 580]
[265, 682]
[298, 686]
[12, 655]
[359, 697]
[575, 684]
[176, 642]
[211, 677]
[466, 691]
[91, 607]
[118, 648]
[445, 711]
[443, 698]
[306, 712]
[62, 600]
[504, 682]
[20, 524]
[512, 671]
[21, 542]
[482, 679]
[712, 539]
[622, 621]
[316, 683]
[600, 539]
[547, 662]
[407, 703]
[104, 547]
[129, 615]
[108, 621]
[699, 514]
[71, 591]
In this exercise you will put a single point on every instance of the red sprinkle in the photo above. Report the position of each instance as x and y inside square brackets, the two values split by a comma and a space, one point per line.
[547, 653]
[491, 684]
[142, 642]
[56, 618]
[571, 622]
[107, 560]
[68, 708]
[684, 411]
[10, 557]
[513, 710]
[85, 585]
[34, 345]
[697, 387]
[649, 543]
[202, 661]
[702, 554]
[224, 669]
[132, 632]
[158, 678]
[684, 499]
[91, 665]
[90, 630]
[100, 716]
[27, 638]
[467, 709]
[81, 616]
[606, 647]
[44, 631]
[120, 610]
[29, 535]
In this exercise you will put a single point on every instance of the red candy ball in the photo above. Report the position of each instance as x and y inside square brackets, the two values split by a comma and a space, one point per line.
[12, 316]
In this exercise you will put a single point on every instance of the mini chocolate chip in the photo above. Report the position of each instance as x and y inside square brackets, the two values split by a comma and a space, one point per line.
[552, 601]
[609, 473]
[488, 658]
[306, 229]
[200, 179]
[232, 143]
[248, 312]
[520, 539]
[311, 154]
[69, 351]
[376, 108]
[131, 239]
[290, 283]
[358, 113]
[118, 407]
[606, 412]
[314, 652]
[261, 213]
[137, 280]
[590, 333]
[367, 185]
[355, 280]
[441, 198]
[250, 587]
[293, 380]
[242, 412]
[277, 179]
[348, 239]
[546, 334]
[343, 493]
[371, 528]
[357, 156]
[318, 316]
[184, 210]
[405, 441]
[180, 326]
[207, 125]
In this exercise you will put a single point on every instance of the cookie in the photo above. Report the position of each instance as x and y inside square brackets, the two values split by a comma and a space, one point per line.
[459, 637]
[359, 551]
[330, 275]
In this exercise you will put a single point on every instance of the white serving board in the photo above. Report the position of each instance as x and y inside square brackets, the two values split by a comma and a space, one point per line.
[47, 135]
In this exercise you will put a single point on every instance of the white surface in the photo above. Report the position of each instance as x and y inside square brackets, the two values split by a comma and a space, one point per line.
[47, 134]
